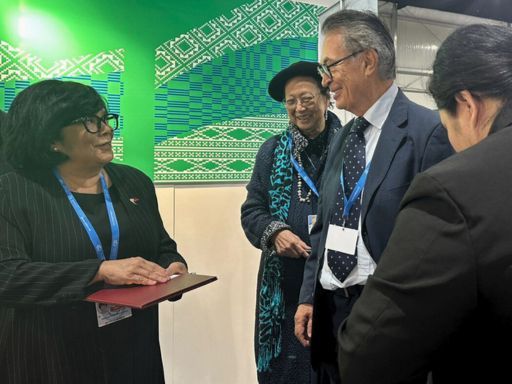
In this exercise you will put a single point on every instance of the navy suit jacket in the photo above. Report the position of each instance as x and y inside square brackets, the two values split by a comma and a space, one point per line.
[412, 139]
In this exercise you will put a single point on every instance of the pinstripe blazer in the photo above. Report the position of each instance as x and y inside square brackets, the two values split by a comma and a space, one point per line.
[47, 333]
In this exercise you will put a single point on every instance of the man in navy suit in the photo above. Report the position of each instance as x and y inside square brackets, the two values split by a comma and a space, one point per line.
[371, 163]
[441, 296]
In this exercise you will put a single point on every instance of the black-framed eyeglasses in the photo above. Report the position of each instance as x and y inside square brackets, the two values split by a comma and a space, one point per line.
[92, 124]
[325, 69]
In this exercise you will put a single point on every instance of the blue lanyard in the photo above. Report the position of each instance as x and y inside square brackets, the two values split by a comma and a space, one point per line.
[300, 170]
[356, 192]
[114, 226]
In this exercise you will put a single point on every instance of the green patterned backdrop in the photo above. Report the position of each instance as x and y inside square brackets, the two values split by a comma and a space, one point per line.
[208, 111]
[103, 71]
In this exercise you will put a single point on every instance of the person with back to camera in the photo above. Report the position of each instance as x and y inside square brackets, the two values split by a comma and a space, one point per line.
[371, 162]
[281, 197]
[441, 297]
[71, 221]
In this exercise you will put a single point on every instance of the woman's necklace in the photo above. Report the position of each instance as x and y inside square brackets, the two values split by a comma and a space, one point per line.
[302, 199]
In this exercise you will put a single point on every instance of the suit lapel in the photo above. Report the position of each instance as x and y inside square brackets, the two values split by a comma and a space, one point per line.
[389, 141]
[333, 170]
[131, 201]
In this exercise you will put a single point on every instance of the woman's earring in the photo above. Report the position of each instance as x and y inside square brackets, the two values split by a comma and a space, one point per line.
[326, 115]
[55, 149]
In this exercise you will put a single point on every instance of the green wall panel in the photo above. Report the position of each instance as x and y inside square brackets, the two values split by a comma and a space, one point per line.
[160, 64]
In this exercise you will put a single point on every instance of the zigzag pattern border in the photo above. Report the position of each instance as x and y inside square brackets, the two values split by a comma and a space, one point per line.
[16, 64]
[216, 153]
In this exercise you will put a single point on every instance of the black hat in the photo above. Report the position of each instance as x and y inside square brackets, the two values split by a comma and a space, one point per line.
[300, 68]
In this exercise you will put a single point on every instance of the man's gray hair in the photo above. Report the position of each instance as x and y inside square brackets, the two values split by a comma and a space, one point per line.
[364, 30]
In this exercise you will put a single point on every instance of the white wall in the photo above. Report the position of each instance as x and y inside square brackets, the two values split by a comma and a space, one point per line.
[207, 336]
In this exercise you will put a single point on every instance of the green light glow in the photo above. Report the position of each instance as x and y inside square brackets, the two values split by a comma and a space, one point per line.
[39, 33]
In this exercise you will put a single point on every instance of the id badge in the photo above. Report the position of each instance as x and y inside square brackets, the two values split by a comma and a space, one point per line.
[108, 314]
[341, 239]
[311, 222]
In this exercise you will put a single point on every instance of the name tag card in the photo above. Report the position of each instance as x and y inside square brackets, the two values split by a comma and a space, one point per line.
[108, 314]
[341, 239]
[311, 222]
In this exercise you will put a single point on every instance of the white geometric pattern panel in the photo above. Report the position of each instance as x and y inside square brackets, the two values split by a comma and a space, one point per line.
[16, 64]
[222, 152]
[247, 25]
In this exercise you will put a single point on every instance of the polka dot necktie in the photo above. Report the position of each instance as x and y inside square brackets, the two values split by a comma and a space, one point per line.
[354, 163]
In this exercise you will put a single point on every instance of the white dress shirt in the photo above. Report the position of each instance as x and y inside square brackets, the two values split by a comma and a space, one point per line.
[376, 116]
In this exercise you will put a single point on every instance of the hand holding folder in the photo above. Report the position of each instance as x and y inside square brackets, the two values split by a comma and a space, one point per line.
[144, 296]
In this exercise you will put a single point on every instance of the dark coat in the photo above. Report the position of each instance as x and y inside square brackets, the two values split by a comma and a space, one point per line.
[441, 297]
[257, 223]
[47, 333]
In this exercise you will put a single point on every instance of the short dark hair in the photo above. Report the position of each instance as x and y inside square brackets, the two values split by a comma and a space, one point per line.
[364, 30]
[36, 119]
[477, 58]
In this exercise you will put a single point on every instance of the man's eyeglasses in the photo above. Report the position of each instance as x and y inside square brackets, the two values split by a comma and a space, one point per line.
[92, 124]
[325, 69]
[306, 101]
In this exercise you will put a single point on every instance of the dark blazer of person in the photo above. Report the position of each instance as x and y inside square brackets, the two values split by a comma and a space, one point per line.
[441, 297]
[46, 264]
[412, 139]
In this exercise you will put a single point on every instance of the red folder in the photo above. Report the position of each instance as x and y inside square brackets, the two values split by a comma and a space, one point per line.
[143, 296]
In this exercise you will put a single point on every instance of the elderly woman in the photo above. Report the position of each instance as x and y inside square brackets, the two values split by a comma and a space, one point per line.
[279, 210]
[441, 297]
[70, 221]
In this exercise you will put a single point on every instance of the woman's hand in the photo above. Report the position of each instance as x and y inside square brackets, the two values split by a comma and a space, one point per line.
[134, 270]
[289, 244]
[176, 268]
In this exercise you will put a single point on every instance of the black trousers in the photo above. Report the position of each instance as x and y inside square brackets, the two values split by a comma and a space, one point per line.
[334, 307]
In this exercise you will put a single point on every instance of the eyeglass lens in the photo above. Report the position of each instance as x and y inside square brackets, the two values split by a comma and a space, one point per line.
[111, 120]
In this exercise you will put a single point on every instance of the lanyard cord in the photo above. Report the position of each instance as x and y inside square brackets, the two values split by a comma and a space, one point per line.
[86, 223]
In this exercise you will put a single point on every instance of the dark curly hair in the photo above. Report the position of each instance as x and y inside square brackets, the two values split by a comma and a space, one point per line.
[36, 119]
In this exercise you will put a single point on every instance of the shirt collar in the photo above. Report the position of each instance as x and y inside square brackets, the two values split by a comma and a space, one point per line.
[379, 111]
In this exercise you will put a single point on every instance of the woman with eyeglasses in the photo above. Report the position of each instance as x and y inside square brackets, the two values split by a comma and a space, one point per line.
[70, 222]
[278, 214]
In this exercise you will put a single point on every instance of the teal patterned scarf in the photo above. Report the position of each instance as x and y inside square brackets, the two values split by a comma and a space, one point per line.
[271, 303]
[270, 296]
